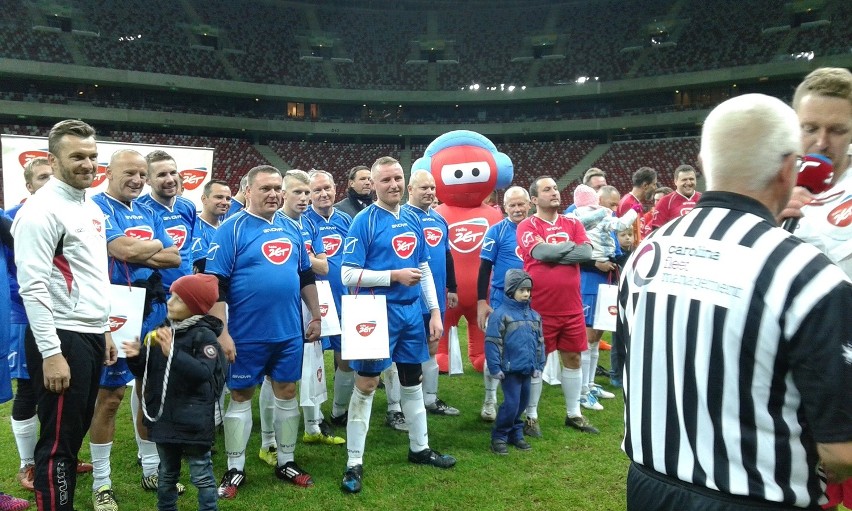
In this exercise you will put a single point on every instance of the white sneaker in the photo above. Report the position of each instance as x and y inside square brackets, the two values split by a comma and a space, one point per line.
[599, 392]
[489, 412]
[589, 402]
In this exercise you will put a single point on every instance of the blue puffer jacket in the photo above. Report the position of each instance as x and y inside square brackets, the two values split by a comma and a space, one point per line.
[514, 342]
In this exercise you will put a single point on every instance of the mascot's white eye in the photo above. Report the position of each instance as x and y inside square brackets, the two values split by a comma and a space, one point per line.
[464, 173]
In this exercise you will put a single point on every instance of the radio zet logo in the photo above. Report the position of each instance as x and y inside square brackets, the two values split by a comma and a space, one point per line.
[116, 322]
[192, 178]
[366, 328]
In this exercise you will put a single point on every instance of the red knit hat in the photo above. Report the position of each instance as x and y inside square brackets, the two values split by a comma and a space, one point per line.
[199, 292]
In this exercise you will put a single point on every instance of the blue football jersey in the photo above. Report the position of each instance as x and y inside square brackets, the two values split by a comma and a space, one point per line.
[332, 232]
[435, 231]
[380, 240]
[135, 220]
[261, 259]
[202, 235]
[310, 234]
[500, 247]
[19, 314]
[235, 207]
[179, 222]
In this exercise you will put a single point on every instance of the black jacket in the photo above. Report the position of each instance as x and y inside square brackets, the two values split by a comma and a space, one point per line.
[188, 413]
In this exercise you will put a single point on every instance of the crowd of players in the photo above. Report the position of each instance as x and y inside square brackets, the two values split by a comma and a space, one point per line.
[270, 243]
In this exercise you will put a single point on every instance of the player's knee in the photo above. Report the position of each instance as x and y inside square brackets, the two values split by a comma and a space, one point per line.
[409, 374]
[109, 400]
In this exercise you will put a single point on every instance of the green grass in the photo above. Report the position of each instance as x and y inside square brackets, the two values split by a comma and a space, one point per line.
[566, 470]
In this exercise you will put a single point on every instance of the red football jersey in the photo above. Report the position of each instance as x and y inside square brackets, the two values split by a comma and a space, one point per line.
[556, 287]
[674, 205]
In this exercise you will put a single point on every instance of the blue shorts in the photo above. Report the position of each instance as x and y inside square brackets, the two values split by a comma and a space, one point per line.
[589, 302]
[17, 352]
[332, 342]
[280, 360]
[116, 375]
[407, 339]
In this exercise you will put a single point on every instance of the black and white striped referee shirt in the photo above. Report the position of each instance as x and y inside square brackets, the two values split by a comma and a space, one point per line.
[738, 357]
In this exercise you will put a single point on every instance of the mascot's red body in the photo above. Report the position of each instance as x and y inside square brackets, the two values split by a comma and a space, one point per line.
[467, 168]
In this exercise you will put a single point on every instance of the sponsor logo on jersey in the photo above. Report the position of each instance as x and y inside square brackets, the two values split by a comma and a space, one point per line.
[366, 328]
[277, 251]
[841, 216]
[466, 236]
[518, 252]
[323, 309]
[178, 235]
[331, 244]
[309, 247]
[557, 237]
[433, 236]
[192, 178]
[116, 322]
[404, 244]
[140, 232]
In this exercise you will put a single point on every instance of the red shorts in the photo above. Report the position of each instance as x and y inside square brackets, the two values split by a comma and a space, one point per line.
[839, 493]
[565, 333]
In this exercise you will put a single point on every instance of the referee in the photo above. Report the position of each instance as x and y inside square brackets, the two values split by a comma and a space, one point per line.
[738, 362]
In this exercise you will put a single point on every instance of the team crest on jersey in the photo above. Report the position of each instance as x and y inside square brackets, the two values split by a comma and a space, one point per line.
[116, 322]
[178, 235]
[557, 237]
[99, 228]
[466, 236]
[366, 328]
[140, 232]
[841, 216]
[331, 244]
[528, 238]
[433, 236]
[404, 244]
[278, 251]
[349, 245]
[192, 178]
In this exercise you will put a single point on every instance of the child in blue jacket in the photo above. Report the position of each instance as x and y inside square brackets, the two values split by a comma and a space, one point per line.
[514, 349]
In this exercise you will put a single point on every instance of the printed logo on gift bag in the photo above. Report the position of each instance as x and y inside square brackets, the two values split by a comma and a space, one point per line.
[365, 329]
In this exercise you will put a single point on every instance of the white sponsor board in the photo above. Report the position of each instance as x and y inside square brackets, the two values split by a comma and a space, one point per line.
[195, 164]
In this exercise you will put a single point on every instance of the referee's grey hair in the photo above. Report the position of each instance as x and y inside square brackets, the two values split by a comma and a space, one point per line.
[745, 140]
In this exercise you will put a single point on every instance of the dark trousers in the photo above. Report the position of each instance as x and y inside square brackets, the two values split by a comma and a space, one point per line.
[64, 418]
[648, 490]
[516, 396]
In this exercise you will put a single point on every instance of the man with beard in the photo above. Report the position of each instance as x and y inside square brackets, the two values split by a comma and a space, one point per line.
[58, 235]
[359, 193]
[644, 186]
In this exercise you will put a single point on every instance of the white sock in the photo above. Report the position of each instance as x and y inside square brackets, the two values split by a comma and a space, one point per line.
[344, 381]
[415, 417]
[266, 402]
[313, 417]
[594, 356]
[571, 384]
[490, 385]
[219, 411]
[135, 406]
[535, 396]
[360, 409]
[391, 378]
[100, 462]
[286, 428]
[430, 381]
[150, 457]
[585, 361]
[26, 436]
[238, 422]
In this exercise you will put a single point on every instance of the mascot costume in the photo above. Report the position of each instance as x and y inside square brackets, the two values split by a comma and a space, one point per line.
[467, 167]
